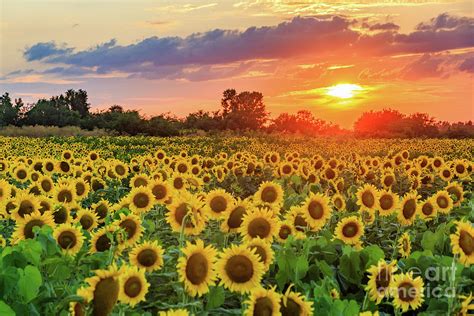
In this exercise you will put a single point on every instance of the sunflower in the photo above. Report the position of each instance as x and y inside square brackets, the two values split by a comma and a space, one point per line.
[456, 190]
[69, 238]
[132, 226]
[178, 182]
[139, 180]
[235, 215]
[408, 209]
[174, 312]
[186, 209]
[296, 218]
[148, 255]
[339, 202]
[367, 197]
[334, 293]
[258, 224]
[462, 242]
[404, 245]
[263, 249]
[21, 173]
[239, 269]
[141, 200]
[388, 202]
[349, 230]
[133, 285]
[388, 179]
[427, 210]
[285, 230]
[407, 291]
[294, 304]
[46, 184]
[102, 290]
[25, 203]
[3, 242]
[102, 239]
[218, 203]
[196, 268]
[446, 173]
[161, 190]
[380, 279]
[64, 193]
[466, 305]
[269, 193]
[120, 170]
[5, 190]
[24, 227]
[443, 202]
[263, 302]
[460, 168]
[316, 210]
[82, 188]
[77, 309]
[87, 219]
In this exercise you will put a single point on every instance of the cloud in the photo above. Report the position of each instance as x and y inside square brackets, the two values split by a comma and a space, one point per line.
[381, 26]
[197, 56]
[40, 51]
[426, 66]
[467, 65]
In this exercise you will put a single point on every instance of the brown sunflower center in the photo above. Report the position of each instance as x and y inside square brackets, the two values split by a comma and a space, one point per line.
[130, 227]
[442, 201]
[65, 196]
[292, 308]
[409, 208]
[368, 199]
[269, 195]
[120, 170]
[286, 169]
[86, 222]
[383, 279]
[300, 223]
[140, 182]
[159, 191]
[182, 168]
[338, 203]
[427, 209]
[103, 243]
[350, 230]
[460, 168]
[330, 174]
[67, 239]
[28, 230]
[316, 209]
[105, 296]
[388, 180]
[141, 200]
[21, 174]
[61, 215]
[239, 268]
[64, 166]
[466, 242]
[218, 204]
[178, 183]
[26, 207]
[263, 307]
[260, 252]
[147, 257]
[406, 292]
[197, 268]
[236, 217]
[386, 202]
[80, 188]
[259, 227]
[284, 232]
[46, 185]
[132, 287]
[455, 191]
[180, 213]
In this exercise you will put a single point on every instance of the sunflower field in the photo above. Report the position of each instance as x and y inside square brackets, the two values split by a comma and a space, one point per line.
[256, 225]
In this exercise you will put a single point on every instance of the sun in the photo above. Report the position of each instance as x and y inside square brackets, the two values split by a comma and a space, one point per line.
[343, 90]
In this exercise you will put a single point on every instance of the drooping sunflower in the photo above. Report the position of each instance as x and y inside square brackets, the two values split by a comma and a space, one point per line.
[186, 209]
[69, 238]
[316, 210]
[87, 219]
[367, 197]
[408, 209]
[296, 218]
[466, 305]
[235, 216]
[295, 304]
[407, 291]
[196, 268]
[462, 242]
[82, 188]
[380, 280]
[218, 203]
[133, 285]
[259, 223]
[443, 201]
[24, 227]
[148, 255]
[427, 210]
[161, 190]
[102, 239]
[263, 249]
[404, 245]
[263, 302]
[456, 190]
[388, 202]
[239, 269]
[269, 193]
[141, 200]
[102, 290]
[339, 202]
[349, 230]
[25, 203]
[132, 227]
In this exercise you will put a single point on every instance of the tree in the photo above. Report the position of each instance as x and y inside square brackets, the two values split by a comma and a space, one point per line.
[202, 120]
[77, 101]
[245, 110]
[9, 112]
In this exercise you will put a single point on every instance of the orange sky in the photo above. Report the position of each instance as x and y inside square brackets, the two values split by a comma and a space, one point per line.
[177, 56]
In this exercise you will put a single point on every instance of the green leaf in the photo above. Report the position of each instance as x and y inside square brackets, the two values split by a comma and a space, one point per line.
[301, 267]
[215, 297]
[6, 310]
[29, 283]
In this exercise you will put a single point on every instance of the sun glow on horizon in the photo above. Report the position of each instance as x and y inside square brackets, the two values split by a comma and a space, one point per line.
[344, 90]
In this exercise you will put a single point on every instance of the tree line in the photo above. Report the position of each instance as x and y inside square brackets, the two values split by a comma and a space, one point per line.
[239, 112]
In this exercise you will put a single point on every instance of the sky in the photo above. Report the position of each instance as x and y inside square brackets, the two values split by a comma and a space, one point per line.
[179, 56]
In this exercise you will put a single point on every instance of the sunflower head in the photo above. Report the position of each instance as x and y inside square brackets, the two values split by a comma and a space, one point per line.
[349, 230]
[263, 302]
[148, 255]
[462, 242]
[380, 280]
[69, 238]
[133, 285]
[407, 291]
[269, 193]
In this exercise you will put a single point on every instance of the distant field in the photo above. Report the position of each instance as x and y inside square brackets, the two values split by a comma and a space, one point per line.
[231, 225]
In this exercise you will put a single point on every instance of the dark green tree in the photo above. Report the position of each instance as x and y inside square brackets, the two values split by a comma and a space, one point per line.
[9, 112]
[245, 110]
